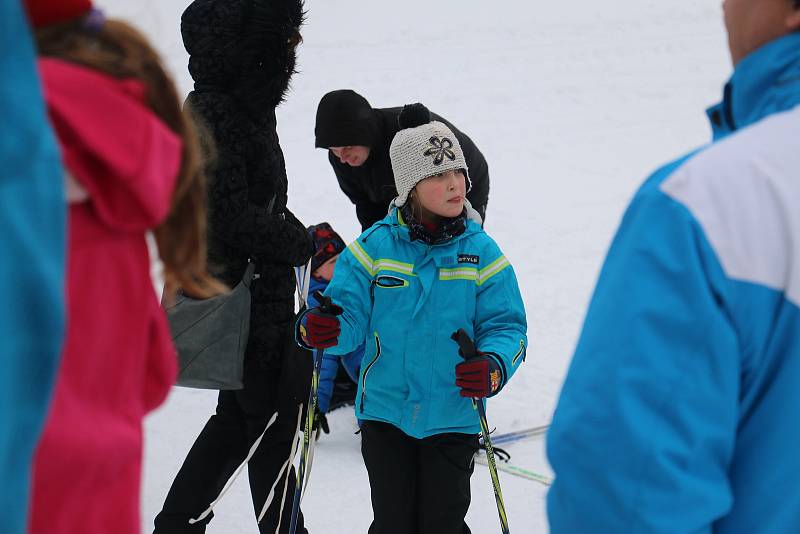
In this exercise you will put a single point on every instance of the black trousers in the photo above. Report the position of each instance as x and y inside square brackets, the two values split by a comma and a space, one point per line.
[223, 444]
[418, 486]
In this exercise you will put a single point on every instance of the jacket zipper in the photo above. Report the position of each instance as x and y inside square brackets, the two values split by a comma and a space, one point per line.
[366, 371]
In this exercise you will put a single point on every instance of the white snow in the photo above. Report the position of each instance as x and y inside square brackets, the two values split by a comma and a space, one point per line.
[572, 103]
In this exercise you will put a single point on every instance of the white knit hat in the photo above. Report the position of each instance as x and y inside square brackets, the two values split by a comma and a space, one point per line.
[421, 149]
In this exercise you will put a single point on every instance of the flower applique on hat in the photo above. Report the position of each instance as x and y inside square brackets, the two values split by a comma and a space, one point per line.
[440, 147]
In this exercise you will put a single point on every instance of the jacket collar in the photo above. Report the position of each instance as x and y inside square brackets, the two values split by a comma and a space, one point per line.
[767, 81]
[399, 228]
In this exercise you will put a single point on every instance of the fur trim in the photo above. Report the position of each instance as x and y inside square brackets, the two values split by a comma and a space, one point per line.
[269, 26]
[242, 47]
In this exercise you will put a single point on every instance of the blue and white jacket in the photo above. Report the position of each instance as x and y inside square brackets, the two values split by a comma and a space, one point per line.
[32, 255]
[681, 409]
[406, 298]
[330, 362]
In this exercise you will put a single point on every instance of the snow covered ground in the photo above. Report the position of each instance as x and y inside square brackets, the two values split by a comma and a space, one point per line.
[572, 103]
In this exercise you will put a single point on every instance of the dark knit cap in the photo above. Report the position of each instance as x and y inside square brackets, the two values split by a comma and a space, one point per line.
[345, 118]
[327, 244]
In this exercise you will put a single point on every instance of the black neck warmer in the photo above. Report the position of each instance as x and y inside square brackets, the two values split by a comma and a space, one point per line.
[445, 231]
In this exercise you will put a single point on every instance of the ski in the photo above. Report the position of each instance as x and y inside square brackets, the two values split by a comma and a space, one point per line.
[517, 435]
[517, 471]
[301, 478]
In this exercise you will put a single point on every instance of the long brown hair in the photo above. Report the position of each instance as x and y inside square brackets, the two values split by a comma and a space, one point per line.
[118, 50]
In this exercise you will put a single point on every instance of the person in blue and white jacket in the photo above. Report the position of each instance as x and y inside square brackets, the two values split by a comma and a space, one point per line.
[405, 286]
[33, 211]
[680, 410]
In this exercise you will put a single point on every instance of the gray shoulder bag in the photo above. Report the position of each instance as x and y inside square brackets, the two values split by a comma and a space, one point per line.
[210, 336]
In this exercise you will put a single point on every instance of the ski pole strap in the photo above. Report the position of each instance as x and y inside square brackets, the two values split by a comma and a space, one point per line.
[306, 282]
[287, 467]
[233, 477]
[298, 326]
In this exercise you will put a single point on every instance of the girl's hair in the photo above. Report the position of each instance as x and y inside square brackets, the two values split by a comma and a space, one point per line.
[118, 50]
[414, 204]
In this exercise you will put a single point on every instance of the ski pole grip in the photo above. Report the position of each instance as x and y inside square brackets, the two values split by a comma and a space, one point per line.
[326, 305]
[465, 344]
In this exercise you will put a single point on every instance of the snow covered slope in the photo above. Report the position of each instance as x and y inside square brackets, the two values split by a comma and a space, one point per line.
[572, 103]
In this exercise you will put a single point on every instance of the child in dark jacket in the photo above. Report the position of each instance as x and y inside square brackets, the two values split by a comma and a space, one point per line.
[403, 287]
[328, 245]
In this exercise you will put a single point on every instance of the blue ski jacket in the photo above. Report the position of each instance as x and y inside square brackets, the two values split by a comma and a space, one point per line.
[406, 298]
[680, 410]
[330, 362]
[32, 219]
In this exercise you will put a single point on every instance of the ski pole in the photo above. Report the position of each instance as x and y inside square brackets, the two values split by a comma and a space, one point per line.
[468, 351]
[326, 306]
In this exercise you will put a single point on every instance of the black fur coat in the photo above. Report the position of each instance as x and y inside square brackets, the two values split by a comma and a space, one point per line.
[241, 62]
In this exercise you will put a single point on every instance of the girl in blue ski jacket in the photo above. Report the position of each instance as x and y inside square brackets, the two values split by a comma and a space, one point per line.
[410, 281]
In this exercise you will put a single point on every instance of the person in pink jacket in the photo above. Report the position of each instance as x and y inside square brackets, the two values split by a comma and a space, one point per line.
[132, 162]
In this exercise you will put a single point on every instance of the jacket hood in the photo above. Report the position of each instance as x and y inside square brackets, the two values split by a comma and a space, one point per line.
[240, 47]
[345, 118]
[112, 144]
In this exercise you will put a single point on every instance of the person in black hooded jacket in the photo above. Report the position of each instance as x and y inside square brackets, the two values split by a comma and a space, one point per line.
[242, 56]
[358, 136]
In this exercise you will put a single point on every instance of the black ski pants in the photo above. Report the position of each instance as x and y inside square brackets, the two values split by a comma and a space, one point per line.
[418, 486]
[240, 418]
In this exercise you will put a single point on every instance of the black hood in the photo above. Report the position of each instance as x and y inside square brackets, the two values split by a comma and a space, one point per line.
[241, 47]
[345, 118]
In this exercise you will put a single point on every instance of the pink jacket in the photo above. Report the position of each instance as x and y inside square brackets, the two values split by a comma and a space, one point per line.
[118, 361]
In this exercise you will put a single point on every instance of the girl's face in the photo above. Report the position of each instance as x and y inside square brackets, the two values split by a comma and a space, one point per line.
[442, 194]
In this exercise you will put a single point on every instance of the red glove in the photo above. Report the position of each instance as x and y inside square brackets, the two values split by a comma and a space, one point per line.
[479, 377]
[322, 329]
